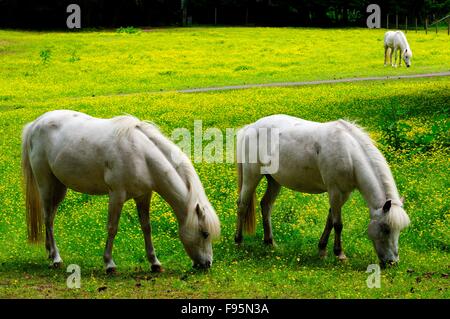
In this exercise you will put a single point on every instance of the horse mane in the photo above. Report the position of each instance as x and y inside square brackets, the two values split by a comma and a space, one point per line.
[397, 217]
[126, 124]
[405, 42]
[197, 195]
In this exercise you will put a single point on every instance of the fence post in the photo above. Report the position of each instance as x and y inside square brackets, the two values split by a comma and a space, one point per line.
[436, 28]
[426, 25]
[215, 16]
[387, 21]
[406, 24]
[246, 16]
[416, 24]
[183, 13]
[396, 21]
[448, 28]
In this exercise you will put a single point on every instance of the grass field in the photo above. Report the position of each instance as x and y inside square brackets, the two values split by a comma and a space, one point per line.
[39, 66]
[88, 72]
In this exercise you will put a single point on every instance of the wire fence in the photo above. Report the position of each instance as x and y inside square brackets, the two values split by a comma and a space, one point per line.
[413, 24]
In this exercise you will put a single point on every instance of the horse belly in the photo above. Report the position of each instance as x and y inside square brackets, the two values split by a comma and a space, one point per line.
[305, 183]
[84, 174]
[301, 175]
[80, 168]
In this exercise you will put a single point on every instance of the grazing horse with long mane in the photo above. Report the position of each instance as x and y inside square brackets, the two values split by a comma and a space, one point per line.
[395, 42]
[335, 157]
[123, 157]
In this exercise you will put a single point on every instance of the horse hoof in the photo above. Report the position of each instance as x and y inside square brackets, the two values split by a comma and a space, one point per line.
[157, 268]
[238, 240]
[269, 242]
[111, 270]
[342, 257]
[322, 254]
[55, 265]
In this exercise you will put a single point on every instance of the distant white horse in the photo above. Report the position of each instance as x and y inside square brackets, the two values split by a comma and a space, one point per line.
[334, 157]
[123, 157]
[395, 41]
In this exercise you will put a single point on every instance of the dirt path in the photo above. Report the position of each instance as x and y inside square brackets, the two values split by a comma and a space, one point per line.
[280, 84]
[302, 83]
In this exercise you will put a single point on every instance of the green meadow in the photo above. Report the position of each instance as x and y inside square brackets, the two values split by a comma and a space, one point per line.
[105, 74]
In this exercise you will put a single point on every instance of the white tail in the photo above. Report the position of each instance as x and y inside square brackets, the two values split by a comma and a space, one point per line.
[32, 197]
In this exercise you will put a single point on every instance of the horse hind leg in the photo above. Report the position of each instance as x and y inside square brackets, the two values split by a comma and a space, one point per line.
[52, 193]
[272, 191]
[143, 208]
[116, 201]
[250, 180]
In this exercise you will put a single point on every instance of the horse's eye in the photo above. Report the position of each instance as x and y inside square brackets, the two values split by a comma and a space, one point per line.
[205, 234]
[385, 229]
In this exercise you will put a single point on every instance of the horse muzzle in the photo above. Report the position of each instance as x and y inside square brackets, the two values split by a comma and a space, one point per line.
[206, 265]
[388, 263]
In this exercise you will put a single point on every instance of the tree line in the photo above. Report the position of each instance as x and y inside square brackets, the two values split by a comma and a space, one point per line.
[114, 13]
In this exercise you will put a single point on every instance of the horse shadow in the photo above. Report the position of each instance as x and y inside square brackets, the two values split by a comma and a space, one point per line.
[295, 255]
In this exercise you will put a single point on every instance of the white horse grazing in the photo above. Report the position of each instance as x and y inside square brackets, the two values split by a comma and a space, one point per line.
[334, 157]
[123, 157]
[396, 41]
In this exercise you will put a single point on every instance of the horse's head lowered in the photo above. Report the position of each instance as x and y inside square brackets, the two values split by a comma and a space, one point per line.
[407, 55]
[384, 230]
[197, 233]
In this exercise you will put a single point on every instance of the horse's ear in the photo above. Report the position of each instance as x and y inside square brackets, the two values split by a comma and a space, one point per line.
[387, 206]
[199, 211]
[188, 185]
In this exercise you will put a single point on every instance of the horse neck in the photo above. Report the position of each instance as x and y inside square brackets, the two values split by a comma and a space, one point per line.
[175, 192]
[375, 181]
[173, 185]
[404, 44]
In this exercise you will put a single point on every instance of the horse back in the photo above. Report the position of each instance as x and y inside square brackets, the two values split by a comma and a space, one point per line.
[312, 156]
[85, 153]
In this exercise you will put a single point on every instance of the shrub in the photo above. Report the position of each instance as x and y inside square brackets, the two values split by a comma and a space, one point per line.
[45, 56]
[129, 30]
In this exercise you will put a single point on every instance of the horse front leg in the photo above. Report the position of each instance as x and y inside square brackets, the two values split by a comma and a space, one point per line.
[325, 235]
[385, 55]
[395, 58]
[143, 208]
[273, 189]
[391, 51]
[116, 201]
[337, 225]
[337, 200]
